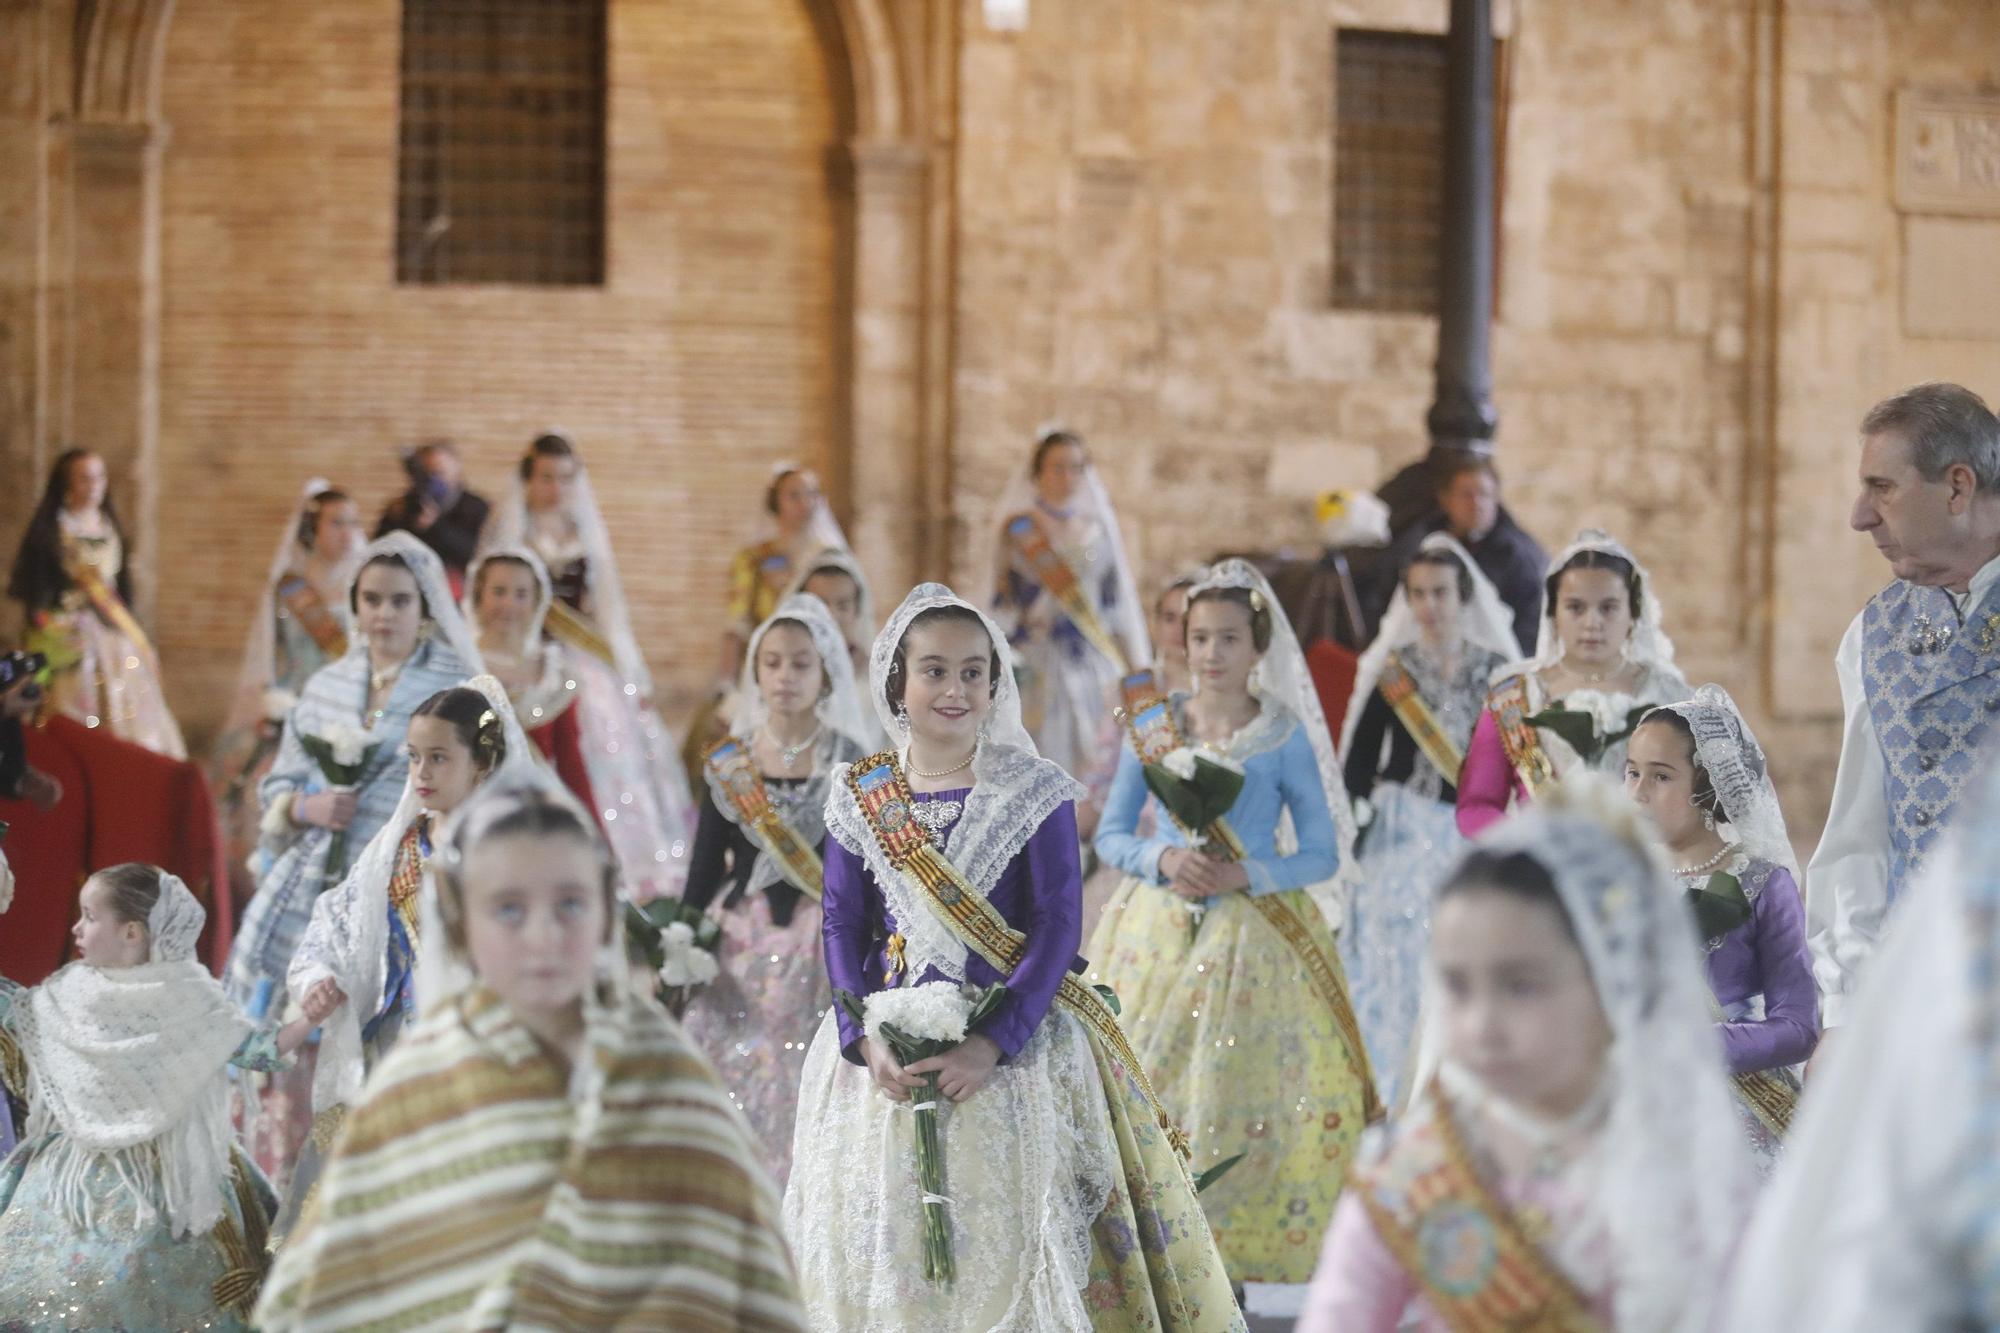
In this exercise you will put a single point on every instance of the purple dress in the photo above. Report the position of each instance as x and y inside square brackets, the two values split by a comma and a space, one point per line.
[1766, 956]
[1040, 893]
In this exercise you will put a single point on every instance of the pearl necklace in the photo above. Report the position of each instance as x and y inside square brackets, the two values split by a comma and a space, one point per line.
[789, 754]
[942, 772]
[1708, 866]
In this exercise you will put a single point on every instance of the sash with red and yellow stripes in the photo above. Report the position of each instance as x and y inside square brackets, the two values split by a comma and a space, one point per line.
[730, 762]
[1399, 690]
[1031, 542]
[1478, 1269]
[883, 795]
[314, 615]
[109, 605]
[1150, 726]
[1508, 702]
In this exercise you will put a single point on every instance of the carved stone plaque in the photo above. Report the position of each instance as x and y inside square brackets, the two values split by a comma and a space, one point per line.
[1948, 153]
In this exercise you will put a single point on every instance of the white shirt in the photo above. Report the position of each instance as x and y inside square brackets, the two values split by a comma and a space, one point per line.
[1847, 880]
[1858, 1232]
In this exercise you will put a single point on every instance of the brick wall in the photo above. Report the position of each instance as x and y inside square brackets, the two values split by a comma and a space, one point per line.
[288, 351]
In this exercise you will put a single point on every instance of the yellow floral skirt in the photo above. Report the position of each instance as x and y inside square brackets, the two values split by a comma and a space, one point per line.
[1250, 1058]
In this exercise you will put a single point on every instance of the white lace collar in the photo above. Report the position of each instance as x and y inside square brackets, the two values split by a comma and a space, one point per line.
[1014, 793]
[1270, 728]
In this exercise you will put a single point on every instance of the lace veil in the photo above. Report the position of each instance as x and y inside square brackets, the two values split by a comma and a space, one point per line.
[258, 669]
[1127, 620]
[508, 526]
[1674, 1182]
[1004, 725]
[840, 710]
[544, 590]
[348, 938]
[423, 563]
[443, 972]
[1726, 749]
[1281, 675]
[1648, 644]
[841, 560]
[1485, 622]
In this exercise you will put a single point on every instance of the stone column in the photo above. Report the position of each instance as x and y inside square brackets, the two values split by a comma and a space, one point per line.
[894, 527]
[114, 321]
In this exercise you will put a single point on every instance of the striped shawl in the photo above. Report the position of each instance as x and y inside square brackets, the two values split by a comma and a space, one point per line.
[474, 1189]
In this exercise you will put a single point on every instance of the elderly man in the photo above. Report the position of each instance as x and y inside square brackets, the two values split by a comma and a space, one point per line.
[1919, 669]
[1464, 500]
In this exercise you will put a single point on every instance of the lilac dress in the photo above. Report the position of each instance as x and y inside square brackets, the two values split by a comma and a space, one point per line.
[1760, 974]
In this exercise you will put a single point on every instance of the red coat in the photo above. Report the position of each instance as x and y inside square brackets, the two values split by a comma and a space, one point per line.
[121, 802]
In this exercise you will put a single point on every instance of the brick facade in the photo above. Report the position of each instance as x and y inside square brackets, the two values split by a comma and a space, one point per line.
[874, 233]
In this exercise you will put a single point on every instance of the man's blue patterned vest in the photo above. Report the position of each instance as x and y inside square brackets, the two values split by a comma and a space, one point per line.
[1933, 689]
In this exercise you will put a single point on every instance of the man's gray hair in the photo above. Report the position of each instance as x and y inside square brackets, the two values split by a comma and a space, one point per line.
[1944, 425]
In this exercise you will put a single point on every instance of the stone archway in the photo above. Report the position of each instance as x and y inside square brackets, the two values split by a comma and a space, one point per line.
[80, 283]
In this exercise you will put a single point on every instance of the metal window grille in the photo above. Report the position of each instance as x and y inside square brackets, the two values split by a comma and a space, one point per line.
[500, 168]
[1388, 200]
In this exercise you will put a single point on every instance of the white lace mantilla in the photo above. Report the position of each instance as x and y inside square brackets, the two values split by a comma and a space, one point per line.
[1013, 794]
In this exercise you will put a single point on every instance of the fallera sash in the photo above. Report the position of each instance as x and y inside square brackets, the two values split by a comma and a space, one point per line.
[314, 615]
[1150, 726]
[730, 762]
[1031, 542]
[883, 795]
[1468, 1252]
[570, 626]
[1399, 689]
[109, 605]
[1508, 702]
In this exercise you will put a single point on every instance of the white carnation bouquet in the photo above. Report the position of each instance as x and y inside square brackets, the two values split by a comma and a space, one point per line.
[343, 753]
[918, 1022]
[1591, 721]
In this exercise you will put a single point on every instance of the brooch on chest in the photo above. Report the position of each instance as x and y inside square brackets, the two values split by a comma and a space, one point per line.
[1928, 638]
[1989, 633]
[937, 815]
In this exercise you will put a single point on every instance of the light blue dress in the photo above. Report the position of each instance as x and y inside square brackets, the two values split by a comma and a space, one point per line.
[291, 872]
[116, 1276]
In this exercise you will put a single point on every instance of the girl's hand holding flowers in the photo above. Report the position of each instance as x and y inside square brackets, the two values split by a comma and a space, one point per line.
[887, 1071]
[962, 1070]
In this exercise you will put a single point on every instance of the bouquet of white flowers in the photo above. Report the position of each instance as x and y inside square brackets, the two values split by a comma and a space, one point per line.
[680, 943]
[1197, 790]
[1591, 721]
[343, 754]
[917, 1022]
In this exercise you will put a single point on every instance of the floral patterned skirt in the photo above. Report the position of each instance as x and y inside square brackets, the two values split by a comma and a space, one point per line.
[1249, 1059]
[758, 1017]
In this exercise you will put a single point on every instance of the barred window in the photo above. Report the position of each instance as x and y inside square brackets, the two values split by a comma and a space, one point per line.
[500, 169]
[1388, 194]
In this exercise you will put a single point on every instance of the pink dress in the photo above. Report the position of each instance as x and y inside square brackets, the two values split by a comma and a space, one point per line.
[1362, 1286]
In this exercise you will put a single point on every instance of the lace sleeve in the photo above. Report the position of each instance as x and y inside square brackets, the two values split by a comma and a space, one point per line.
[8, 991]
